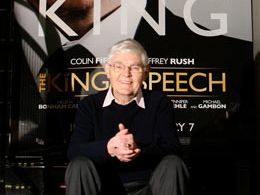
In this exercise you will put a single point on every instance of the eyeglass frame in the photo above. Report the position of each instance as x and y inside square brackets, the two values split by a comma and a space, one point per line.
[142, 68]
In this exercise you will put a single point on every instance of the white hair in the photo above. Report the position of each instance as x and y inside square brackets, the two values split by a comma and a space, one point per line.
[129, 45]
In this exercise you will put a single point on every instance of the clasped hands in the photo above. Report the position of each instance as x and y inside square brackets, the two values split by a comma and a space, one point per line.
[123, 146]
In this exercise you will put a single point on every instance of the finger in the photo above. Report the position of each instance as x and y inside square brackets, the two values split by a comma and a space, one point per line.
[137, 151]
[123, 148]
[121, 127]
[124, 151]
[130, 156]
[124, 131]
[122, 159]
[126, 158]
[136, 154]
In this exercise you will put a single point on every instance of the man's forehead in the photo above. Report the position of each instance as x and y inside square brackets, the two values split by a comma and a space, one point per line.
[126, 62]
[127, 55]
[69, 4]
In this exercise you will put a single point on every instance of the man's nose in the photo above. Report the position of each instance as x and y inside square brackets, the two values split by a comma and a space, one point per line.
[127, 70]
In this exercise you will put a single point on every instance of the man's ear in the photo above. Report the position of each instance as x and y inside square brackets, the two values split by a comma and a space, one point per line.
[107, 71]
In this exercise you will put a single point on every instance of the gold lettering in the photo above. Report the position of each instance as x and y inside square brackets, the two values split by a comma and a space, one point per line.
[151, 81]
[52, 82]
[191, 82]
[74, 77]
[167, 81]
[178, 81]
[106, 83]
[42, 80]
[222, 82]
[66, 82]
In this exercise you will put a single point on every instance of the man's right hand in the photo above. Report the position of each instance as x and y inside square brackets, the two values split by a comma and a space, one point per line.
[122, 145]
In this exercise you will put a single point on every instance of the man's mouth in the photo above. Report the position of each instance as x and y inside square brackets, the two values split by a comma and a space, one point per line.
[125, 82]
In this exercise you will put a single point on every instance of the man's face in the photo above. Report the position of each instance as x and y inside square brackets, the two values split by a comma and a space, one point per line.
[74, 4]
[78, 14]
[125, 83]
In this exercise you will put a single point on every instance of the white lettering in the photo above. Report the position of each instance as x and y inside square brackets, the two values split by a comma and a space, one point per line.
[97, 16]
[222, 17]
[181, 125]
[159, 28]
[51, 14]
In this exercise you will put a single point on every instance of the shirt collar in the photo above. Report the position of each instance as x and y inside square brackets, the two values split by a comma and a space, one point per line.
[110, 97]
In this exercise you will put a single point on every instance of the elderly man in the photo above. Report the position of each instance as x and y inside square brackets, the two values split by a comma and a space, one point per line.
[125, 139]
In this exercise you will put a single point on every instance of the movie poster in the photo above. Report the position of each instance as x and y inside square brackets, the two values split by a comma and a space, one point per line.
[200, 54]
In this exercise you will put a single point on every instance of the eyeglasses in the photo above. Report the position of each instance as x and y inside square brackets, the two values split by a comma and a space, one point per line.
[133, 68]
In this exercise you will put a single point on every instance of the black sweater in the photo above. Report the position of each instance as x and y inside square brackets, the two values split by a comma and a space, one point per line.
[153, 129]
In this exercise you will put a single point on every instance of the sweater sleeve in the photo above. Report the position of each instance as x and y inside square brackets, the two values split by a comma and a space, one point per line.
[165, 140]
[82, 140]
